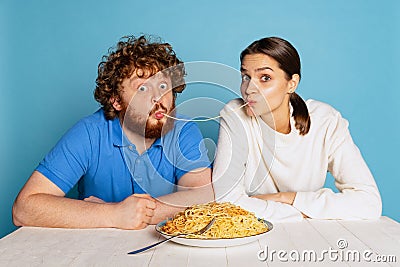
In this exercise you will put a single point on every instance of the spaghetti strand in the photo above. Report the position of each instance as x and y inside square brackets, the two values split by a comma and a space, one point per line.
[202, 120]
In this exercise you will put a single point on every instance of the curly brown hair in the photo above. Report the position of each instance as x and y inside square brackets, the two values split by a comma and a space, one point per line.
[142, 55]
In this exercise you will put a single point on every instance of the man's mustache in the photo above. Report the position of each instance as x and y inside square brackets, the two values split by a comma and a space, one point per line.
[158, 107]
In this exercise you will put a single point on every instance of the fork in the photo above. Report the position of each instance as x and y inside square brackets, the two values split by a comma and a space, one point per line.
[199, 232]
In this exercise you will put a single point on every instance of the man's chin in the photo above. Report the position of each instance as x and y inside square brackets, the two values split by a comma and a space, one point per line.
[153, 121]
[152, 134]
[155, 130]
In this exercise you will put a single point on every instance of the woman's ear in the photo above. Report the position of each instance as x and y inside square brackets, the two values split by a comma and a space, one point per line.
[293, 83]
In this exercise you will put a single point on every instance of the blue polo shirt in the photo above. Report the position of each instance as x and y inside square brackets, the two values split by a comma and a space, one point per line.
[95, 154]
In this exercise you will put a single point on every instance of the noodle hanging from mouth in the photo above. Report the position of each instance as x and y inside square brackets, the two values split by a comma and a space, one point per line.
[230, 222]
[202, 120]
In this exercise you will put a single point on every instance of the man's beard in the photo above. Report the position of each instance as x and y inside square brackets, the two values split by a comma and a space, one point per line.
[147, 126]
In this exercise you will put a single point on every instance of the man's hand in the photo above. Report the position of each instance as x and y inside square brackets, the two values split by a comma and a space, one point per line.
[160, 209]
[135, 212]
[158, 212]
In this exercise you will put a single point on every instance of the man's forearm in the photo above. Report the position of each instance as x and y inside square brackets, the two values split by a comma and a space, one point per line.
[55, 211]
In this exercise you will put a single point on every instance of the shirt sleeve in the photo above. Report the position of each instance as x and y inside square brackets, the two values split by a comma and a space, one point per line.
[358, 196]
[229, 172]
[192, 152]
[68, 161]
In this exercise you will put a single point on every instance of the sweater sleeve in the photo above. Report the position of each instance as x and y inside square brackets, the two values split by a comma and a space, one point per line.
[229, 173]
[358, 196]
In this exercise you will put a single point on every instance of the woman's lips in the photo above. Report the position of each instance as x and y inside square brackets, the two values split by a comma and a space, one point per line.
[251, 103]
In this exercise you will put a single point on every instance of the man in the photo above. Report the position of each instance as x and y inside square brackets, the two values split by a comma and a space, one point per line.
[133, 165]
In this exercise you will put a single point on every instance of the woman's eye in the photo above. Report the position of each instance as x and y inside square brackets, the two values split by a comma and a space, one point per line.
[143, 88]
[163, 86]
[265, 78]
[245, 78]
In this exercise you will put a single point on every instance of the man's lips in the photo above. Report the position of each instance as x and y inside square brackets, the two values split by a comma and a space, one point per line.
[159, 114]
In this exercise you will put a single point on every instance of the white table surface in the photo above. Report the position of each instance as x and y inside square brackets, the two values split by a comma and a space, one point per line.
[31, 246]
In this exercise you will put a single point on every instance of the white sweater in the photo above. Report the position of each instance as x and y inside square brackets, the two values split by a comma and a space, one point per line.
[293, 163]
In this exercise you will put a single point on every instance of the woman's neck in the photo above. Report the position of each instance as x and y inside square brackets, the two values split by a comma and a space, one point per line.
[278, 119]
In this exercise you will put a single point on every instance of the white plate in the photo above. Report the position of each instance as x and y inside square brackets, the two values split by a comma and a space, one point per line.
[217, 242]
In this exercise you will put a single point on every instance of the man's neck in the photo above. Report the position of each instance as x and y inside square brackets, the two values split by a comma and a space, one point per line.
[141, 143]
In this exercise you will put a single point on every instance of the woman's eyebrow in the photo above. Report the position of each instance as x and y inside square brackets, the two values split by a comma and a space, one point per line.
[242, 69]
[264, 68]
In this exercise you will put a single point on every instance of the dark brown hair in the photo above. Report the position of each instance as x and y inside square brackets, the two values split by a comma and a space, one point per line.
[134, 54]
[289, 61]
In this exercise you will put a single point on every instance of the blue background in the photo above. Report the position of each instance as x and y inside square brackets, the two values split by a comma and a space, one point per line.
[49, 52]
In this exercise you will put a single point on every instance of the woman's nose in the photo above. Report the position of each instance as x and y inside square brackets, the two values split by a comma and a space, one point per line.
[250, 88]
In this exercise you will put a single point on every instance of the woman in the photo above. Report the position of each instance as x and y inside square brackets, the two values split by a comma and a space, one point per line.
[274, 153]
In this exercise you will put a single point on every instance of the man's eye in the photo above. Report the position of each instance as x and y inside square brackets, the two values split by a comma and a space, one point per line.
[245, 78]
[143, 88]
[163, 86]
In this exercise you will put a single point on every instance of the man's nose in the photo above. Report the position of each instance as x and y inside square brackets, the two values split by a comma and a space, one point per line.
[156, 96]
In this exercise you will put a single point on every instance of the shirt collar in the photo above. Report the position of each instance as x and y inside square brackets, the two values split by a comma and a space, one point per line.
[116, 132]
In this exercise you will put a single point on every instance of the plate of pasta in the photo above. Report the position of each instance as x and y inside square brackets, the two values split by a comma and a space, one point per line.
[233, 226]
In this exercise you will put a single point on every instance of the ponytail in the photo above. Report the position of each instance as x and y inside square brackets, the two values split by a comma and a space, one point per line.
[300, 114]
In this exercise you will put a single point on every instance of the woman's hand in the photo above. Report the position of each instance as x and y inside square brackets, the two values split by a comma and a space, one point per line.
[283, 197]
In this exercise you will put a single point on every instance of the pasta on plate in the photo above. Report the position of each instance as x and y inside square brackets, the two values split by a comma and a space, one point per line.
[231, 221]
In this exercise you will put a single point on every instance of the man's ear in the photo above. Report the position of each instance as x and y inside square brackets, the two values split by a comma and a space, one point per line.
[116, 103]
